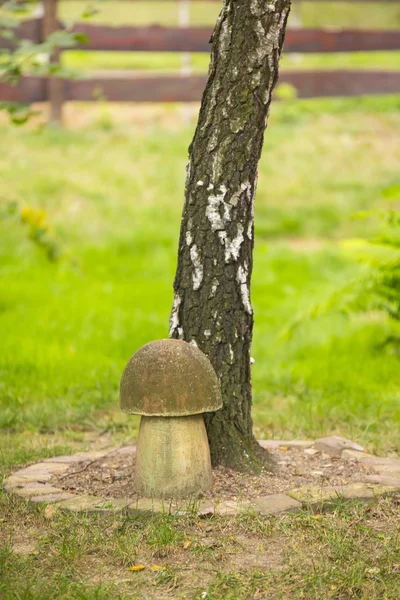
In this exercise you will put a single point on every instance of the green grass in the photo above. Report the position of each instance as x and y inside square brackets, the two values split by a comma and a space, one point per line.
[83, 61]
[113, 199]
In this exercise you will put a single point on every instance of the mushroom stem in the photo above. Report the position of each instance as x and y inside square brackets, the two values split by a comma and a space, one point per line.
[172, 457]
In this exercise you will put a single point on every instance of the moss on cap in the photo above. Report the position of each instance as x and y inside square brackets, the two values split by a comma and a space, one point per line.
[169, 378]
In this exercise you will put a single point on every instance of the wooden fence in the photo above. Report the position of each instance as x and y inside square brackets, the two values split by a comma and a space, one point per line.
[187, 88]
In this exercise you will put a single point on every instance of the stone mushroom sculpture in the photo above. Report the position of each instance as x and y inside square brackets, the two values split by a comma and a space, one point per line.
[171, 384]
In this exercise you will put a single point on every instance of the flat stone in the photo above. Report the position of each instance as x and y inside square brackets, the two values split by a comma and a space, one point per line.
[32, 475]
[93, 454]
[311, 495]
[285, 443]
[334, 445]
[148, 505]
[16, 482]
[74, 458]
[392, 470]
[110, 505]
[127, 450]
[371, 459]
[231, 507]
[78, 503]
[277, 503]
[35, 488]
[311, 451]
[52, 498]
[78, 457]
[383, 479]
[42, 467]
[364, 491]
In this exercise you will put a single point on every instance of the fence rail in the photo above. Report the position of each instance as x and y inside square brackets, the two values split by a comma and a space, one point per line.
[161, 88]
[157, 38]
[176, 88]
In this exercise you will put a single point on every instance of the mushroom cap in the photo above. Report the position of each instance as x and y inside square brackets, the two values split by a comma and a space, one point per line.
[169, 378]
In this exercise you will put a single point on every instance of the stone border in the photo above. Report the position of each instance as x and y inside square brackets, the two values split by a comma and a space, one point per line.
[32, 484]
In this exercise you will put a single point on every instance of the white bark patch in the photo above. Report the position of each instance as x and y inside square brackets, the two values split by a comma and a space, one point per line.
[241, 278]
[197, 276]
[207, 333]
[232, 247]
[193, 343]
[174, 318]
[189, 238]
[217, 205]
[188, 171]
[231, 354]
[236, 196]
[268, 91]
[213, 210]
[200, 183]
[256, 79]
[214, 286]
[252, 360]
[250, 230]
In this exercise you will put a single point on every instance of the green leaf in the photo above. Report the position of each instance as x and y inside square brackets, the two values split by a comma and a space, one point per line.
[89, 12]
[61, 39]
[81, 38]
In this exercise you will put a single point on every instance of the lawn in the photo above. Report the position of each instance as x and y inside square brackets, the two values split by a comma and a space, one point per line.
[110, 188]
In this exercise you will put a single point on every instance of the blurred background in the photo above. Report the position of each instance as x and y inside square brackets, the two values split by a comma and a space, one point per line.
[90, 212]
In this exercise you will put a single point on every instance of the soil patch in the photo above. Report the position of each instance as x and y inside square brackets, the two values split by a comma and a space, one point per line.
[113, 476]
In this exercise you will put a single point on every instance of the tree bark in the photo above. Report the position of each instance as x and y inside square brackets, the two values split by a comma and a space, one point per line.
[212, 306]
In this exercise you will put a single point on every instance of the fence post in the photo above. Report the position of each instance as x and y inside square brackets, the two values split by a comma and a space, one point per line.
[55, 86]
[186, 59]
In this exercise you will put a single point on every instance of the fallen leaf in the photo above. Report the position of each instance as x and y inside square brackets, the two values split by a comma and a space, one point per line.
[284, 447]
[316, 517]
[156, 568]
[187, 544]
[136, 568]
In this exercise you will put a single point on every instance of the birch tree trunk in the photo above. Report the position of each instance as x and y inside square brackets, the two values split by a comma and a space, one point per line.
[212, 306]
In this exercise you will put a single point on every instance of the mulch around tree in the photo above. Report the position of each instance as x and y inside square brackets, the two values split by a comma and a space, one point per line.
[113, 476]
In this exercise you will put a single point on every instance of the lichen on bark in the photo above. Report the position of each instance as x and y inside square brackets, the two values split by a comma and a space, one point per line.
[212, 306]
